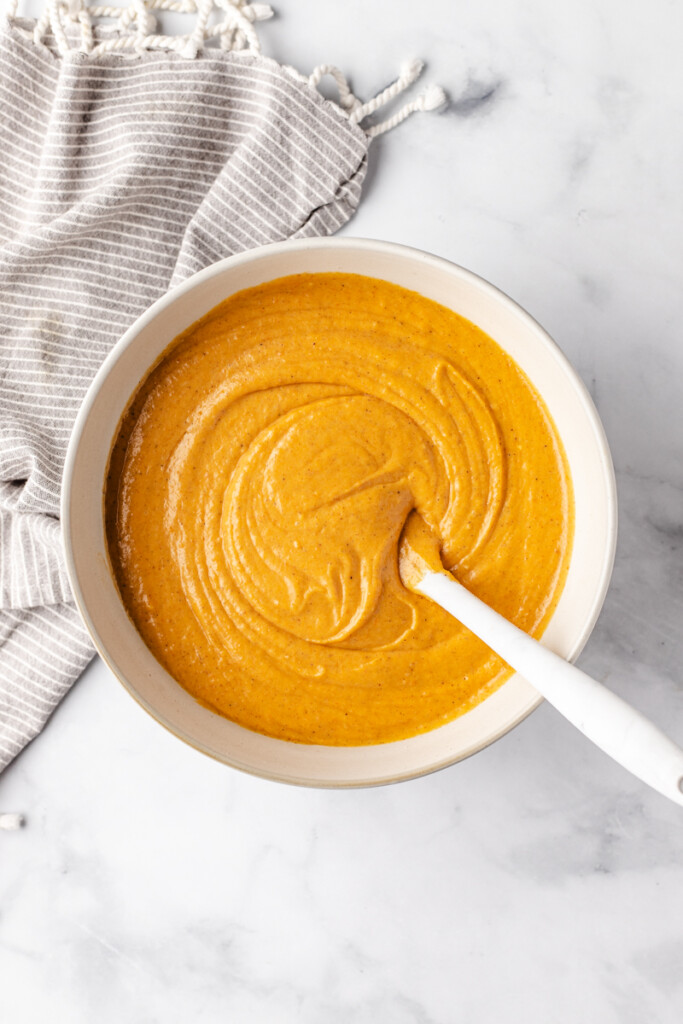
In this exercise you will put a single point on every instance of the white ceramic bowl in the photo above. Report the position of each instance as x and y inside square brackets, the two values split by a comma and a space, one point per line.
[83, 518]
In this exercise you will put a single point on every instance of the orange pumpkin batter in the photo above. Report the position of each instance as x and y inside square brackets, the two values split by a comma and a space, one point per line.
[260, 483]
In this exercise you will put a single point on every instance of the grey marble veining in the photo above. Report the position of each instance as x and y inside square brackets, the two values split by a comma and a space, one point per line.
[536, 882]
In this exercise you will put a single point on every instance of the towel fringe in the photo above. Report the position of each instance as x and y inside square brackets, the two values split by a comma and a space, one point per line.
[233, 26]
[433, 98]
[11, 822]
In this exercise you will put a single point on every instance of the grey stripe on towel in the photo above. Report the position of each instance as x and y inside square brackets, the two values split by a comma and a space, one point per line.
[121, 175]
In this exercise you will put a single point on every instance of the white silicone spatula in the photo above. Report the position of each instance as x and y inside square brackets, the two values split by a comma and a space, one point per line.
[607, 720]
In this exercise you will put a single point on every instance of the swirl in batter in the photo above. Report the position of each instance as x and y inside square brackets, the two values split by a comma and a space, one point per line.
[260, 483]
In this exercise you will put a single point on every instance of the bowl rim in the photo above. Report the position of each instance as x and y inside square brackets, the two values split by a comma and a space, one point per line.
[384, 248]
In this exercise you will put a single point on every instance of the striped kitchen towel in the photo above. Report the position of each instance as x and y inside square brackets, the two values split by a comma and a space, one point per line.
[128, 161]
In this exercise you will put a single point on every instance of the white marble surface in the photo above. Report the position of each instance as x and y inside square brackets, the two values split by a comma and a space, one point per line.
[536, 882]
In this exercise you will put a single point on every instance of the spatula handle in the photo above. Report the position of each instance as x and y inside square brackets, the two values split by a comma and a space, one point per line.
[607, 720]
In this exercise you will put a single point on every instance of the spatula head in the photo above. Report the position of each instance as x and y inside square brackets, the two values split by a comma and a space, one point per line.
[419, 551]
